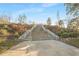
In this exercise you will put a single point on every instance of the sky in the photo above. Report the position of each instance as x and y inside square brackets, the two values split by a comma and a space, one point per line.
[37, 12]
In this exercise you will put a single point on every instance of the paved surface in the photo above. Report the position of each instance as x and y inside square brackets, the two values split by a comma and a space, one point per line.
[42, 45]
[39, 34]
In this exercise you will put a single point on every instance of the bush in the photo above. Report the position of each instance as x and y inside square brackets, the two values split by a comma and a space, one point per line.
[54, 29]
[67, 34]
[4, 32]
[11, 31]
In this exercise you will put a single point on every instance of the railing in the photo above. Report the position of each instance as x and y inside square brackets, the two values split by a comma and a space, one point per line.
[23, 37]
[53, 36]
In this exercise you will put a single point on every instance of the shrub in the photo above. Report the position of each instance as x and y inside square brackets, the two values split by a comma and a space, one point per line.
[54, 29]
[66, 34]
[4, 32]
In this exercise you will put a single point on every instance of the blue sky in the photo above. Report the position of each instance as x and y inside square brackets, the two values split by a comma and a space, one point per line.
[38, 12]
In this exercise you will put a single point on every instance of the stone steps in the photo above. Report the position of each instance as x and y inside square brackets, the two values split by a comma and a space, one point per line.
[38, 32]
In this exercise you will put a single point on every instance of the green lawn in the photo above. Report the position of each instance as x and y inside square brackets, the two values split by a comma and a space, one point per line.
[73, 42]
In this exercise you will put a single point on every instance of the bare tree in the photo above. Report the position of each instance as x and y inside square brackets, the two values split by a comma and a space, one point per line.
[61, 23]
[22, 19]
[33, 23]
[72, 8]
[74, 24]
[49, 21]
[5, 19]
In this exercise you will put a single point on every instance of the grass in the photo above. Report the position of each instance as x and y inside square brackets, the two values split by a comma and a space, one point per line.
[9, 36]
[73, 42]
[7, 45]
[65, 33]
[2, 39]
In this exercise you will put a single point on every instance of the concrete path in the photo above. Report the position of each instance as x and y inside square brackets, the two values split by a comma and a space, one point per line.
[42, 43]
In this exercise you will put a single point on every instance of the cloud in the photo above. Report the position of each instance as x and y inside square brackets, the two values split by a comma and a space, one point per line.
[30, 10]
[48, 4]
[27, 11]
